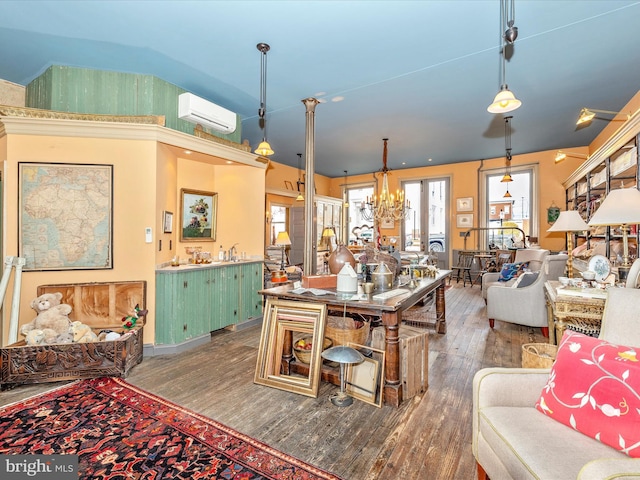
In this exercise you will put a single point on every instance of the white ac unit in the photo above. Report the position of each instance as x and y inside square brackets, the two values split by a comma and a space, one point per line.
[200, 111]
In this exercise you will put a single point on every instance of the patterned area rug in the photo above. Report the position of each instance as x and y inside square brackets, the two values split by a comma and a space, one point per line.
[120, 431]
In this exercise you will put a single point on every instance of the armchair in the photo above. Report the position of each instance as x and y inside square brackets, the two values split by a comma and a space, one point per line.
[526, 305]
[511, 439]
[535, 257]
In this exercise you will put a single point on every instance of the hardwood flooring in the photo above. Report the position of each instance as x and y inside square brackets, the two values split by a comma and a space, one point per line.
[428, 437]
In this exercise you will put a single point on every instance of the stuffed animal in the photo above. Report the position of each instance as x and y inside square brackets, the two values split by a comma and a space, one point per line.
[35, 337]
[66, 337]
[82, 333]
[52, 317]
[108, 335]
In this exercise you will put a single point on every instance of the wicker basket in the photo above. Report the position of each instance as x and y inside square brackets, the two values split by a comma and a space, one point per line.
[538, 355]
[304, 356]
[342, 336]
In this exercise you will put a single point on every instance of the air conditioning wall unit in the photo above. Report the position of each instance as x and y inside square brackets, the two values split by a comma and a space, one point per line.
[200, 111]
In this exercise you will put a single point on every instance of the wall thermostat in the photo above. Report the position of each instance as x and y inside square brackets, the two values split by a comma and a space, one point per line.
[148, 236]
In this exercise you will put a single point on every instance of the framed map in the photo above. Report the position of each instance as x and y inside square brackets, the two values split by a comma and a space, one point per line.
[65, 216]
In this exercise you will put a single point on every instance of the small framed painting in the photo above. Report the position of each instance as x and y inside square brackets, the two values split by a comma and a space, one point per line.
[465, 204]
[167, 222]
[387, 223]
[464, 220]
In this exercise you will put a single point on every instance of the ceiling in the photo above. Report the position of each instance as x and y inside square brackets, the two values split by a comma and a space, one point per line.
[421, 73]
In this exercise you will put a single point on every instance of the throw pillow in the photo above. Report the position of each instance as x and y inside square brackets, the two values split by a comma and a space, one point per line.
[526, 279]
[511, 270]
[594, 388]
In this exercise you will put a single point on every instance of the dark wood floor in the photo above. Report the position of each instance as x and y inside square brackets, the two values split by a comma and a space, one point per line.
[428, 437]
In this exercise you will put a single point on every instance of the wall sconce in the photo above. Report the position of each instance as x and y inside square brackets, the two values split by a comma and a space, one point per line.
[560, 156]
[588, 114]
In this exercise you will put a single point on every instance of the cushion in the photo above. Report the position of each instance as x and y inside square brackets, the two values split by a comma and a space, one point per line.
[526, 279]
[594, 388]
[511, 270]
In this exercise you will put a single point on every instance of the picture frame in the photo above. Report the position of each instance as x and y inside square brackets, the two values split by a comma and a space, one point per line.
[283, 321]
[49, 226]
[167, 222]
[199, 213]
[365, 381]
[387, 223]
[464, 204]
[464, 220]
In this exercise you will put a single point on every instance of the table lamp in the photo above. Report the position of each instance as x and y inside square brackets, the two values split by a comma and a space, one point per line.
[342, 355]
[283, 241]
[326, 240]
[567, 222]
[620, 208]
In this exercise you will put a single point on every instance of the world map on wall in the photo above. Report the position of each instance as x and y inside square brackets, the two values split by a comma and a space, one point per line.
[65, 216]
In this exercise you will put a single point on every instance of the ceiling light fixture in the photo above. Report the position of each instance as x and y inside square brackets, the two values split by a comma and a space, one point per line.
[346, 192]
[588, 114]
[505, 101]
[507, 194]
[387, 206]
[300, 197]
[507, 149]
[560, 156]
[264, 148]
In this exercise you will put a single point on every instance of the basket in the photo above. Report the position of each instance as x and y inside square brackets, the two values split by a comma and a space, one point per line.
[343, 336]
[538, 355]
[304, 356]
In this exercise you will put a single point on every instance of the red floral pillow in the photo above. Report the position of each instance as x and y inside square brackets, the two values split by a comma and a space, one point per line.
[594, 388]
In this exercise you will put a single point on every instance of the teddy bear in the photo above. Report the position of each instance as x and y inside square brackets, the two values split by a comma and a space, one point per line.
[82, 333]
[52, 317]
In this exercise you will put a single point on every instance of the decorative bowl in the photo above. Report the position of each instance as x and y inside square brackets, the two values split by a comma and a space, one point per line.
[304, 354]
[564, 281]
[589, 275]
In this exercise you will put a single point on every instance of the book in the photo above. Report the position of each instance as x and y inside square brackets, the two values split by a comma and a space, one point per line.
[582, 292]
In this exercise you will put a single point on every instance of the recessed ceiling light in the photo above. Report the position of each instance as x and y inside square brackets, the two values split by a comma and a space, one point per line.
[339, 98]
[187, 152]
[404, 163]
[229, 162]
[321, 100]
[320, 94]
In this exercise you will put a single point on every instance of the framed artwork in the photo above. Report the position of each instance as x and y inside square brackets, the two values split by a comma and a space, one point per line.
[365, 381]
[65, 216]
[167, 222]
[464, 220]
[199, 214]
[465, 204]
[283, 323]
[387, 223]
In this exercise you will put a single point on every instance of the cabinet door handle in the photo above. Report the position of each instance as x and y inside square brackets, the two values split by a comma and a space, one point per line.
[184, 327]
[186, 284]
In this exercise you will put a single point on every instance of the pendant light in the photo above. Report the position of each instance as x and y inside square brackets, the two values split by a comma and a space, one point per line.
[507, 148]
[505, 101]
[300, 197]
[346, 193]
[264, 148]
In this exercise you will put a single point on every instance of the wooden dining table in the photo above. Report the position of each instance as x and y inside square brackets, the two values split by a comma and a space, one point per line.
[389, 310]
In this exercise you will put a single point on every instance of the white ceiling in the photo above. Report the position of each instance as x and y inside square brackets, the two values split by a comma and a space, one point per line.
[418, 72]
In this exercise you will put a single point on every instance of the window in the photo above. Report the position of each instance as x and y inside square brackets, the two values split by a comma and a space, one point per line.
[278, 215]
[359, 230]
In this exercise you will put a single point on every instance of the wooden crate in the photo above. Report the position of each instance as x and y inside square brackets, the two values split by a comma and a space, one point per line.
[99, 305]
[414, 358]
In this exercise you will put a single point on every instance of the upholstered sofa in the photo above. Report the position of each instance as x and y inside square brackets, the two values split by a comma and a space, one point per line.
[525, 305]
[513, 440]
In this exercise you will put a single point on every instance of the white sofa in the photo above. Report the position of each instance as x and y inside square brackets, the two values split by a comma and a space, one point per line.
[513, 440]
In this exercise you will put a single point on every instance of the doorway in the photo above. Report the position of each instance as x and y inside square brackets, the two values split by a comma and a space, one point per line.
[426, 228]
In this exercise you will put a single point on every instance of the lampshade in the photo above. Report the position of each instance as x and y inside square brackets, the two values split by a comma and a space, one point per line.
[588, 114]
[504, 101]
[328, 232]
[300, 197]
[569, 221]
[283, 239]
[342, 354]
[264, 149]
[620, 207]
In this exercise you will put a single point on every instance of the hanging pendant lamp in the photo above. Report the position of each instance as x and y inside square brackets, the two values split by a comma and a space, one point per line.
[264, 148]
[505, 101]
[507, 148]
[300, 197]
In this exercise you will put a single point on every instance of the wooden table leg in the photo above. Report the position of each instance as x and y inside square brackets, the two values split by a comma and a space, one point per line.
[441, 318]
[392, 384]
[287, 353]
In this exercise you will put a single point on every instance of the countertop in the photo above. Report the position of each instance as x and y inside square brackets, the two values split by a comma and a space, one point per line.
[167, 268]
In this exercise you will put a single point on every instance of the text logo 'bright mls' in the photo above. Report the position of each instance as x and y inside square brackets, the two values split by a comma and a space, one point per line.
[49, 467]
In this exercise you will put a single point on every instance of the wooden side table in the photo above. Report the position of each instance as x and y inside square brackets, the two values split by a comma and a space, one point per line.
[564, 309]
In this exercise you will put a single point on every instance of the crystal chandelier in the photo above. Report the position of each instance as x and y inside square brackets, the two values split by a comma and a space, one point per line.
[387, 206]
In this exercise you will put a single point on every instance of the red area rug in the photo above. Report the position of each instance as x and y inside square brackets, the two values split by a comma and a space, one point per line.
[120, 431]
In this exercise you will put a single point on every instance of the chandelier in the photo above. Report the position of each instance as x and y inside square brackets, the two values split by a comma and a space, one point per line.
[387, 206]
